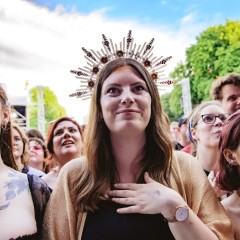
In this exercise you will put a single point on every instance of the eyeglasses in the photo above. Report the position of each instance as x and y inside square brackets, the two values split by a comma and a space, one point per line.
[211, 118]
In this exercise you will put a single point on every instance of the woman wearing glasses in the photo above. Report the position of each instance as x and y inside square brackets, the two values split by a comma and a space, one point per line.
[204, 130]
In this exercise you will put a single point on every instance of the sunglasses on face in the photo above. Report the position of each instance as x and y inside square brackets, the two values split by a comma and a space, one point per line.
[211, 118]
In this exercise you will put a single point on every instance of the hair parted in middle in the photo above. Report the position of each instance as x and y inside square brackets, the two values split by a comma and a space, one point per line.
[24, 138]
[127, 49]
[101, 168]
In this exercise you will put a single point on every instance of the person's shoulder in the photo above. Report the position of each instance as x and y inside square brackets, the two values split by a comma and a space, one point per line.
[187, 165]
[37, 184]
[70, 173]
[183, 158]
[185, 162]
[12, 173]
[35, 172]
[74, 166]
[228, 202]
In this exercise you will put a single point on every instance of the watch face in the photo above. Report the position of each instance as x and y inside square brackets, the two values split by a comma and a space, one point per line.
[182, 214]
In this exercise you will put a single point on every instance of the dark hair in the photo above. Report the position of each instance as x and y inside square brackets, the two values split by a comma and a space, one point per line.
[182, 120]
[6, 133]
[24, 138]
[51, 129]
[34, 133]
[218, 84]
[229, 177]
[101, 172]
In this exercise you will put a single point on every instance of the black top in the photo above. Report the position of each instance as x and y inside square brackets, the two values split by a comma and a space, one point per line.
[106, 224]
[40, 195]
[207, 172]
[177, 146]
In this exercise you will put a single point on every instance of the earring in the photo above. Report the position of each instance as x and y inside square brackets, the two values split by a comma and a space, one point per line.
[233, 162]
[230, 163]
[4, 124]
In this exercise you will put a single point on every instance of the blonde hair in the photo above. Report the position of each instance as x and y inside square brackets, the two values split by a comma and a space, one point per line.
[194, 118]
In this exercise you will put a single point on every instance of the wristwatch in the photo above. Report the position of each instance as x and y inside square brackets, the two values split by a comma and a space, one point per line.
[181, 214]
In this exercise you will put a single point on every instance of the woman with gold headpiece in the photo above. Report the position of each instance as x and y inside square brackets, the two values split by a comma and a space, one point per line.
[130, 184]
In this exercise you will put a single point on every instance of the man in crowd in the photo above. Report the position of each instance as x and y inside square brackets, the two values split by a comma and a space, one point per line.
[227, 90]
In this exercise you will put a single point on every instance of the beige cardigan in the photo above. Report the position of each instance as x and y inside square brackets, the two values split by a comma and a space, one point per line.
[61, 220]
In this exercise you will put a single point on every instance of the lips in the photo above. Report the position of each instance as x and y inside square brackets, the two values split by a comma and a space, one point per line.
[67, 142]
[127, 111]
[217, 132]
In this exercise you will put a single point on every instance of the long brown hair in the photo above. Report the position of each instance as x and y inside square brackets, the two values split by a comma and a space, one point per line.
[24, 138]
[101, 169]
[229, 177]
[6, 133]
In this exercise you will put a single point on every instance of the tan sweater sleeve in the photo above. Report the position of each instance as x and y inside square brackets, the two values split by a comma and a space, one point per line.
[195, 188]
[60, 219]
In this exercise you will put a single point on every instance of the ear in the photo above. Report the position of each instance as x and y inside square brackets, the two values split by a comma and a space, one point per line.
[230, 156]
[194, 134]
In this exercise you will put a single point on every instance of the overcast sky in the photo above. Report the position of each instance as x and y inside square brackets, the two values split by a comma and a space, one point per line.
[41, 41]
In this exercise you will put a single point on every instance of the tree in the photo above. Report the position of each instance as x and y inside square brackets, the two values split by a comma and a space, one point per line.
[53, 109]
[216, 53]
[171, 103]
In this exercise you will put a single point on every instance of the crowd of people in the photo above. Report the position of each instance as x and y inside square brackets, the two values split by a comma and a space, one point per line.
[130, 174]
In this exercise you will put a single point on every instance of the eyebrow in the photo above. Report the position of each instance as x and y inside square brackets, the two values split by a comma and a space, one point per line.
[57, 129]
[135, 83]
[232, 95]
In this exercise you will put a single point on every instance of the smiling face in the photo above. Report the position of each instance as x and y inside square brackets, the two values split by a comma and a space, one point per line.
[208, 134]
[67, 142]
[125, 102]
[17, 144]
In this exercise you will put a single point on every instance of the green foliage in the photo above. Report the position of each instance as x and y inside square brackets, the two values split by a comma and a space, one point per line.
[215, 54]
[53, 109]
[166, 105]
[171, 103]
[175, 102]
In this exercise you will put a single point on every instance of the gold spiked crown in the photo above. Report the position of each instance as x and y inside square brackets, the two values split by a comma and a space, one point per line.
[126, 49]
